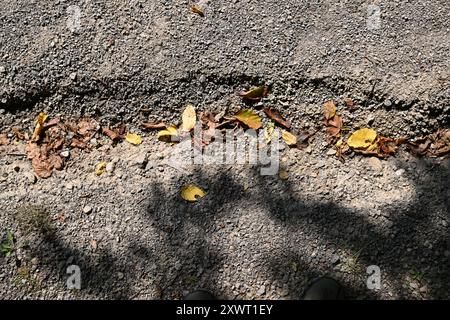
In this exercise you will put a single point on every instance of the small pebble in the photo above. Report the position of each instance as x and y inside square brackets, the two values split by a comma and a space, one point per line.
[87, 209]
[30, 177]
[261, 290]
[110, 167]
[65, 154]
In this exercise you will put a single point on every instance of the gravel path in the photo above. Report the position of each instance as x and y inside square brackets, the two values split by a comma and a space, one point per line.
[251, 236]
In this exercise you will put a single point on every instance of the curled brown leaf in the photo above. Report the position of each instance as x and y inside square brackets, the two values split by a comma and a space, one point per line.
[154, 126]
[276, 116]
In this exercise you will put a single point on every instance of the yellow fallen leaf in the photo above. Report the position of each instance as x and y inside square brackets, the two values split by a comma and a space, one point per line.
[283, 175]
[41, 118]
[190, 193]
[133, 138]
[165, 135]
[362, 138]
[100, 168]
[289, 138]
[255, 93]
[188, 118]
[250, 118]
[329, 110]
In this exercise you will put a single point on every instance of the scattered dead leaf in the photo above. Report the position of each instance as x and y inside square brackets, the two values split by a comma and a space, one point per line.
[42, 167]
[249, 118]
[168, 135]
[76, 143]
[329, 110]
[362, 138]
[100, 168]
[434, 145]
[87, 127]
[283, 175]
[289, 138]
[189, 118]
[94, 244]
[112, 134]
[196, 9]
[191, 193]
[255, 94]
[41, 118]
[133, 138]
[350, 104]
[276, 116]
[4, 139]
[19, 135]
[154, 126]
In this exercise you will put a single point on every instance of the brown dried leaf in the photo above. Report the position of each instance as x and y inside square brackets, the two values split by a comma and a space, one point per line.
[33, 150]
[113, 135]
[333, 131]
[276, 116]
[57, 144]
[197, 10]
[56, 161]
[122, 129]
[152, 126]
[19, 135]
[42, 167]
[207, 118]
[336, 121]
[350, 104]
[76, 143]
[51, 123]
[4, 139]
[87, 127]
[329, 110]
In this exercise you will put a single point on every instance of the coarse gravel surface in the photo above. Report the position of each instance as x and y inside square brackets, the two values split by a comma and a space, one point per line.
[251, 236]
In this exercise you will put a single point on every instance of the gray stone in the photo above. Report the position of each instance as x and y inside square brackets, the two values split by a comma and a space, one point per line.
[261, 291]
[375, 163]
[31, 178]
[87, 209]
[65, 154]
[110, 166]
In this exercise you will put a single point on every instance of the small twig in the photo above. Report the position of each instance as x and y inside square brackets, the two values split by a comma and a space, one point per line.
[16, 154]
[369, 60]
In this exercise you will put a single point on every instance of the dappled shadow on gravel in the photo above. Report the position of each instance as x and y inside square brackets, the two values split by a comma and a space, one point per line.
[98, 271]
[397, 247]
[407, 237]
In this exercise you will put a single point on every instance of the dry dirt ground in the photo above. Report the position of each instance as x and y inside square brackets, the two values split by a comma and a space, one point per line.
[251, 236]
